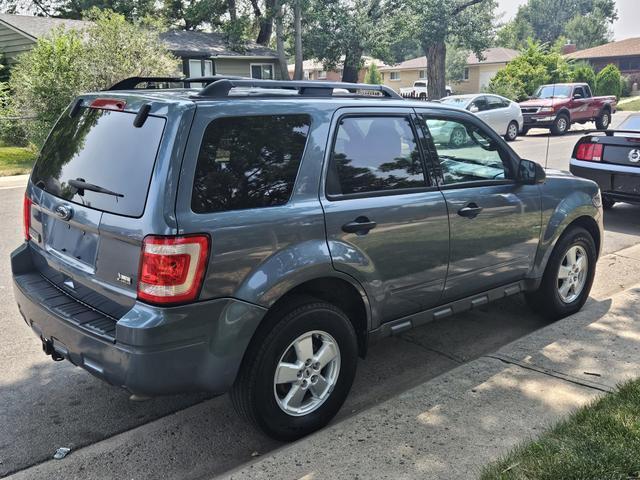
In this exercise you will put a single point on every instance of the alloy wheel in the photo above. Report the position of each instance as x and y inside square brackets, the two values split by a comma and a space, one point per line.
[572, 274]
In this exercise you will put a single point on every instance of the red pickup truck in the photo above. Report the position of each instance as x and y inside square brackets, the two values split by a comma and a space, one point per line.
[557, 106]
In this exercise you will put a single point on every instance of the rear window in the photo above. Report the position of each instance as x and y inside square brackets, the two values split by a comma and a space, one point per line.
[103, 148]
[248, 162]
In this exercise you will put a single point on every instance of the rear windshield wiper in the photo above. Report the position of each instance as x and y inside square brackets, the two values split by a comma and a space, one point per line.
[81, 185]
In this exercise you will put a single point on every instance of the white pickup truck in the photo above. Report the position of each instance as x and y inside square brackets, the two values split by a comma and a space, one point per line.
[419, 90]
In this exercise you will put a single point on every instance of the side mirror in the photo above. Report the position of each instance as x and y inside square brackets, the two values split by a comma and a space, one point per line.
[474, 109]
[530, 173]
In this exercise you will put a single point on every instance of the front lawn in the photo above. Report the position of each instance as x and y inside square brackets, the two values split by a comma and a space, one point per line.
[600, 441]
[16, 160]
[630, 106]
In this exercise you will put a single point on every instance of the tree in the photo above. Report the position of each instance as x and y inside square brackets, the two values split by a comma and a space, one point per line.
[582, 72]
[373, 76]
[455, 64]
[68, 62]
[536, 66]
[193, 14]
[547, 20]
[340, 31]
[280, 38]
[4, 69]
[608, 81]
[132, 10]
[464, 23]
[297, 36]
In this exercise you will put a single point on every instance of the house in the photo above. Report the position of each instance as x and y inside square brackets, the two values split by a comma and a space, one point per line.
[624, 54]
[314, 70]
[202, 53]
[477, 73]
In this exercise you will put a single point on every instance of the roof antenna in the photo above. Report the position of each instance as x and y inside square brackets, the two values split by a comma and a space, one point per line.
[546, 160]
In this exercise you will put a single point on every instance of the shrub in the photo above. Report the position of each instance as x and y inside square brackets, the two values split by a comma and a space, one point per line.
[373, 76]
[69, 62]
[608, 81]
[583, 73]
[625, 86]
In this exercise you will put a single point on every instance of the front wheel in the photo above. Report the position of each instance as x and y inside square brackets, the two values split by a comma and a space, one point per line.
[607, 202]
[560, 125]
[568, 276]
[458, 137]
[512, 132]
[298, 372]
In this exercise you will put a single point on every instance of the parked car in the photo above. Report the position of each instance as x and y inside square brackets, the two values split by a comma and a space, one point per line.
[500, 113]
[558, 106]
[612, 160]
[254, 236]
[419, 90]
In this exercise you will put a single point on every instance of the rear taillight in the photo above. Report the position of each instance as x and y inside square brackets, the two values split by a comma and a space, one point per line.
[26, 216]
[172, 268]
[591, 152]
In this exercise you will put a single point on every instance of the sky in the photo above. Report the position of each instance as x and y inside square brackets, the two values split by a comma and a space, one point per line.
[627, 25]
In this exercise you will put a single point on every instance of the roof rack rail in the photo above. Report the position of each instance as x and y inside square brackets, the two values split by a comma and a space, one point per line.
[132, 82]
[222, 87]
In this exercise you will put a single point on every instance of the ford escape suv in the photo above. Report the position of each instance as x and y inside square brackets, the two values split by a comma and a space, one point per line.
[253, 236]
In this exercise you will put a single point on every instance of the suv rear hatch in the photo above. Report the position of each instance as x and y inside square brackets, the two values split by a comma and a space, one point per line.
[95, 166]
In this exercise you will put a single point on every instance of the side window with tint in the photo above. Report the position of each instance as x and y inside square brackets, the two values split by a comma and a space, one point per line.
[373, 154]
[248, 162]
[494, 102]
[466, 152]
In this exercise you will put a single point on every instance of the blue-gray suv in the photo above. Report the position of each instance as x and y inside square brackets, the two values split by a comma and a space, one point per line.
[254, 236]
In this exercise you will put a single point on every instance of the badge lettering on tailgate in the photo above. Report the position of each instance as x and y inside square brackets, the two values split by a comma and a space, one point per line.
[124, 279]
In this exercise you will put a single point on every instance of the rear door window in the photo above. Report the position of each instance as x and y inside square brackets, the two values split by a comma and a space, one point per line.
[248, 162]
[374, 154]
[101, 147]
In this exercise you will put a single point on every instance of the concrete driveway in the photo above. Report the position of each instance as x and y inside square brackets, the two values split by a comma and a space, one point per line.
[45, 405]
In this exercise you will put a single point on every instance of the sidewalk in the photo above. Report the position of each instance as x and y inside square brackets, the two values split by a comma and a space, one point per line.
[452, 426]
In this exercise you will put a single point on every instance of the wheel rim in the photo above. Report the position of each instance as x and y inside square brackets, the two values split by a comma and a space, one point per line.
[605, 120]
[457, 137]
[513, 131]
[572, 274]
[306, 373]
[562, 124]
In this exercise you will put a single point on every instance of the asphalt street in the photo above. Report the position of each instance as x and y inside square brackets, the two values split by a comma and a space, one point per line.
[45, 405]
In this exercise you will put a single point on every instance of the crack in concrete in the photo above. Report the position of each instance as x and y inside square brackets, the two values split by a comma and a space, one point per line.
[453, 358]
[551, 373]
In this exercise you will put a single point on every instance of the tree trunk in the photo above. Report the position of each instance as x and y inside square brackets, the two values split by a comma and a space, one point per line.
[436, 83]
[265, 20]
[351, 66]
[282, 57]
[233, 13]
[297, 31]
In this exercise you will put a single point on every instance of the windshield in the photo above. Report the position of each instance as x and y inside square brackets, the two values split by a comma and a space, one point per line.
[553, 91]
[461, 102]
[104, 149]
[631, 123]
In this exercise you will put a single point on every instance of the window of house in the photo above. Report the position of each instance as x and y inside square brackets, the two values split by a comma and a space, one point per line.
[262, 71]
[466, 153]
[394, 75]
[422, 75]
[373, 154]
[248, 162]
[465, 73]
[322, 75]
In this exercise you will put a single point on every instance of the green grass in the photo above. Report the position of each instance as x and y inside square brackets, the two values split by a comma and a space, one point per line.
[600, 441]
[16, 160]
[630, 106]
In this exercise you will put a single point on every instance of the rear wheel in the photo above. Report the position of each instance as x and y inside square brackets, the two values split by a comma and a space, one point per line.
[604, 120]
[298, 371]
[560, 125]
[524, 131]
[512, 132]
[458, 137]
[568, 276]
[423, 96]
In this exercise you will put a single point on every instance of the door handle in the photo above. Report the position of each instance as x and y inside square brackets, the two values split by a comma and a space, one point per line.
[471, 210]
[360, 226]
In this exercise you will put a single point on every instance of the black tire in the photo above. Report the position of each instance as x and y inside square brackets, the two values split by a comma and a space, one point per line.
[603, 121]
[561, 125]
[253, 394]
[423, 96]
[546, 300]
[512, 131]
[524, 131]
[458, 137]
[607, 202]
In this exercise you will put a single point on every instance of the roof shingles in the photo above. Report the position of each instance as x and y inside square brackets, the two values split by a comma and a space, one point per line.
[623, 48]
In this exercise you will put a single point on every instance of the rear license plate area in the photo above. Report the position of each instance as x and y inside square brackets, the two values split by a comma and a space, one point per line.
[70, 241]
[627, 184]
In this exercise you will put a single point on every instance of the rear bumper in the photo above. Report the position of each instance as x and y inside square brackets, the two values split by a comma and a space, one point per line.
[620, 183]
[154, 351]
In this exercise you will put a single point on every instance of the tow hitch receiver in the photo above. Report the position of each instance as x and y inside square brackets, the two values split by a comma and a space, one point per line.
[48, 349]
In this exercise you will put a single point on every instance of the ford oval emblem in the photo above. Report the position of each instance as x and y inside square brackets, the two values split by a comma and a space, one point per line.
[634, 156]
[64, 212]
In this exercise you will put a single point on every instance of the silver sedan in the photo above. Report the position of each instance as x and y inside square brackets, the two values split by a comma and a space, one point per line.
[500, 113]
